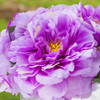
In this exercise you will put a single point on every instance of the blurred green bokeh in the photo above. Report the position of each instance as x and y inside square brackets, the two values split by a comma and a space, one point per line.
[8, 96]
[3, 24]
[36, 4]
[47, 3]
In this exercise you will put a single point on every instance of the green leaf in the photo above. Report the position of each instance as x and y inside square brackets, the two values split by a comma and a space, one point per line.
[96, 80]
[98, 76]
[10, 30]
[12, 63]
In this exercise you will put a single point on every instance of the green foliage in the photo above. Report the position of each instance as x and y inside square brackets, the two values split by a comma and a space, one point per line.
[97, 80]
[3, 24]
[9, 96]
[1, 1]
[48, 3]
[10, 30]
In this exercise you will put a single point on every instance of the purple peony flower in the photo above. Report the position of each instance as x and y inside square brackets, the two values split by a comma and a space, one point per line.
[49, 53]
[91, 19]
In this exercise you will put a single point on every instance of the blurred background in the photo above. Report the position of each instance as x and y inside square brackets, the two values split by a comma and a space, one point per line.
[9, 7]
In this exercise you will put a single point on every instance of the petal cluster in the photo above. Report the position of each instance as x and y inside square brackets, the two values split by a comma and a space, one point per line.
[51, 54]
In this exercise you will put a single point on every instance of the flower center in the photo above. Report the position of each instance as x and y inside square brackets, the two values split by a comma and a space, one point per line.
[37, 30]
[54, 46]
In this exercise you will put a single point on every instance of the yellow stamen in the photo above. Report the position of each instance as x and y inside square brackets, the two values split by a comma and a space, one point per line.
[54, 46]
[37, 30]
[96, 21]
[50, 12]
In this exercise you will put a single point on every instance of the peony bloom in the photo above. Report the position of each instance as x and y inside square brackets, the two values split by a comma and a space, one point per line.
[91, 19]
[51, 54]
